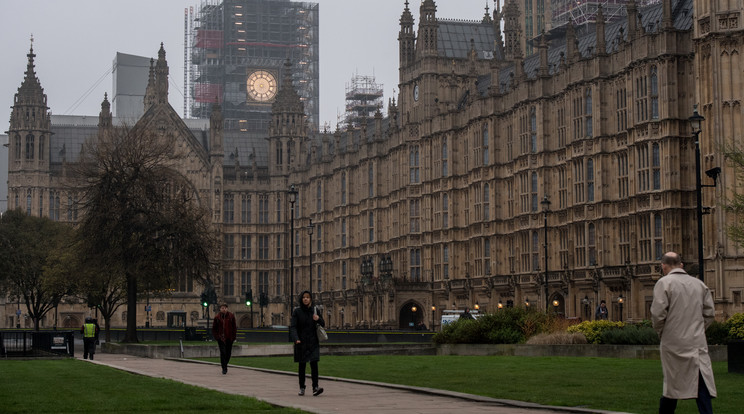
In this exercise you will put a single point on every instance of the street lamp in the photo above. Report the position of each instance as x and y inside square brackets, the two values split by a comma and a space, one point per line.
[500, 305]
[433, 316]
[476, 306]
[292, 200]
[620, 305]
[546, 209]
[527, 303]
[696, 121]
[310, 232]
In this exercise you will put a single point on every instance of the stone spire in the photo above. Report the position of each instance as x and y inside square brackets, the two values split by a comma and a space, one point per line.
[426, 44]
[601, 41]
[406, 38]
[105, 117]
[30, 92]
[632, 19]
[499, 38]
[572, 48]
[543, 71]
[666, 21]
[157, 83]
[512, 32]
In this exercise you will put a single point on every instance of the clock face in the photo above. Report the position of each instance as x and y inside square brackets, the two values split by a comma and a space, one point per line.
[415, 92]
[261, 85]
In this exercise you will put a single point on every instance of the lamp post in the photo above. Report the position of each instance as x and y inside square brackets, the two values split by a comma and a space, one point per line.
[310, 232]
[500, 305]
[696, 123]
[527, 303]
[620, 305]
[433, 316]
[546, 209]
[292, 200]
[555, 306]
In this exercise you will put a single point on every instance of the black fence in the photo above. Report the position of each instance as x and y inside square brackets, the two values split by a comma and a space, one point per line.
[17, 343]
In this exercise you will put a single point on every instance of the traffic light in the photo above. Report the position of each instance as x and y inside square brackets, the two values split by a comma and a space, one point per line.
[263, 299]
[204, 300]
[249, 298]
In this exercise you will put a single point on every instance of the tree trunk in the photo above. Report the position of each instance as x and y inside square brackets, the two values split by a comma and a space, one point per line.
[131, 333]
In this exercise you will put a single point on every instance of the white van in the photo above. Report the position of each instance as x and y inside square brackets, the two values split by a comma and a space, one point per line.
[449, 316]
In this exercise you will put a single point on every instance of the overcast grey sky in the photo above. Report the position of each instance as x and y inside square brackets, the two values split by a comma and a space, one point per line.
[76, 42]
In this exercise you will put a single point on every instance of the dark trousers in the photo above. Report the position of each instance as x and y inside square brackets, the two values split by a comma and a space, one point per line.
[704, 404]
[89, 347]
[225, 352]
[313, 373]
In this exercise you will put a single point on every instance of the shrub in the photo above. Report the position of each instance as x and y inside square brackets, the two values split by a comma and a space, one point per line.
[735, 325]
[592, 330]
[557, 338]
[507, 326]
[717, 333]
[630, 335]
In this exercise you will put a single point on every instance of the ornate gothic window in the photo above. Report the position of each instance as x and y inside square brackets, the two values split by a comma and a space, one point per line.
[228, 208]
[486, 202]
[485, 144]
[588, 119]
[228, 251]
[590, 180]
[533, 130]
[622, 175]
[413, 164]
[29, 147]
[245, 247]
[656, 165]
[245, 209]
[654, 78]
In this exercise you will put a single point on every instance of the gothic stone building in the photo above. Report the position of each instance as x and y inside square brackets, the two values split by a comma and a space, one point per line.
[447, 201]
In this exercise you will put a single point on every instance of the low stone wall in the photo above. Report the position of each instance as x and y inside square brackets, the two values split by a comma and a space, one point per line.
[717, 352]
[207, 351]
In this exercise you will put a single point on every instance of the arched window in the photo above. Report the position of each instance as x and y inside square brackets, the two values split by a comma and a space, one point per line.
[343, 189]
[654, 93]
[445, 210]
[486, 202]
[445, 157]
[656, 166]
[318, 198]
[589, 125]
[28, 203]
[29, 147]
[533, 130]
[485, 144]
[534, 192]
[41, 147]
[592, 245]
[590, 180]
[17, 147]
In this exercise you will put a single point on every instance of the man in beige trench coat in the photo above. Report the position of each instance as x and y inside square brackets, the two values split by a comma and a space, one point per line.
[681, 310]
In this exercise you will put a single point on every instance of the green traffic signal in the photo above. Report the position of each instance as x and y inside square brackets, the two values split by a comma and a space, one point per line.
[204, 300]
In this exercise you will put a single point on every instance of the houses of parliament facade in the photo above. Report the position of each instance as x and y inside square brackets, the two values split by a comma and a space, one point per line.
[555, 180]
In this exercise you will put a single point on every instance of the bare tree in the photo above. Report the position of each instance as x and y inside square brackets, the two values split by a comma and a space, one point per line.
[142, 221]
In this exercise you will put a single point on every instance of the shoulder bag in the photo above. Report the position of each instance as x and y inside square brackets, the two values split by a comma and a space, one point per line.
[322, 335]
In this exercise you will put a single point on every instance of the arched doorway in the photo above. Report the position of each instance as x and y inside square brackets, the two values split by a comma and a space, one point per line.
[558, 304]
[411, 315]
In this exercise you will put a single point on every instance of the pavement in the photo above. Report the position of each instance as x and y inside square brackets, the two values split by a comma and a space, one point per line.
[340, 395]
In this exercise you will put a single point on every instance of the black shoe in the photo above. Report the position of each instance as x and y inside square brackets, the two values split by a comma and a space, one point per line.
[91, 357]
[302, 391]
[224, 371]
[317, 391]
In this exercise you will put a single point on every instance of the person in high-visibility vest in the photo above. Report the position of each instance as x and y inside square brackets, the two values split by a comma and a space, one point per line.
[90, 333]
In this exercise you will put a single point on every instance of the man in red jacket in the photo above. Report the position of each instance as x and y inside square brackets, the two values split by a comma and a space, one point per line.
[224, 330]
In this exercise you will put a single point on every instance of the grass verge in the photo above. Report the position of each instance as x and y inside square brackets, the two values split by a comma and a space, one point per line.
[627, 385]
[72, 386]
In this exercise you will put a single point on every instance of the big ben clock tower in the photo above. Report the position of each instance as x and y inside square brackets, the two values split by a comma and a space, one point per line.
[261, 86]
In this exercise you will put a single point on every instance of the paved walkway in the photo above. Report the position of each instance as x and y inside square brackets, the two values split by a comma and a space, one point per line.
[340, 396]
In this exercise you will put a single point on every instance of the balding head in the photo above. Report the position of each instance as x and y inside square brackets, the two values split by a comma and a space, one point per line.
[669, 261]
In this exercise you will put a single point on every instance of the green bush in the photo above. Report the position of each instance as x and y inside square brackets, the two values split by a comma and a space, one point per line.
[593, 330]
[630, 335]
[507, 326]
[735, 326]
[717, 333]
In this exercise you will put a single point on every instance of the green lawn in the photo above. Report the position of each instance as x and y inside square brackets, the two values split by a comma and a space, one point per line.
[67, 386]
[627, 385]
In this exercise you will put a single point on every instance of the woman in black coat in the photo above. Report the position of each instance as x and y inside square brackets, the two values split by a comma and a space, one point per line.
[304, 334]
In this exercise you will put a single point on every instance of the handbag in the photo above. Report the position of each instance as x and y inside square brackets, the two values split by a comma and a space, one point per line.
[319, 329]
